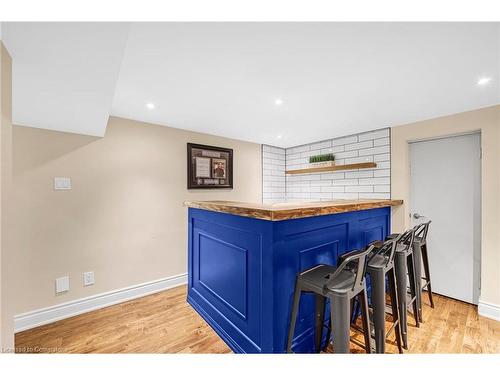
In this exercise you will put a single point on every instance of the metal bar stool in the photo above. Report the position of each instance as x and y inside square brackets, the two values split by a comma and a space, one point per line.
[404, 264]
[340, 285]
[381, 266]
[421, 258]
[421, 244]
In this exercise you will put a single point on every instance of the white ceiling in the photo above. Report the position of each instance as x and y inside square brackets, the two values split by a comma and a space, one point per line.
[223, 78]
[64, 74]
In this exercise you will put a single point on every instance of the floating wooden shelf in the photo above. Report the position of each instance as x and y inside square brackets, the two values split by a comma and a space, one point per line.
[332, 168]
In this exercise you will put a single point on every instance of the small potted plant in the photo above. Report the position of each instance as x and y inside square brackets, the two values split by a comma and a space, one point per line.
[325, 160]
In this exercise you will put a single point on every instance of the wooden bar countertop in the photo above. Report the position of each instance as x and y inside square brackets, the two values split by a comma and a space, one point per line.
[292, 210]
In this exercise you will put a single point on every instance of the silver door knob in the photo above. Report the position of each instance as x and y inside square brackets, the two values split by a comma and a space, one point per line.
[417, 216]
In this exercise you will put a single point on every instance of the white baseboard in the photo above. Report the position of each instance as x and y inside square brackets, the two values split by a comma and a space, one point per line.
[51, 314]
[489, 310]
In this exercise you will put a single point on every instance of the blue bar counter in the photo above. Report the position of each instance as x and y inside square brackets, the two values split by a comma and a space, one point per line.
[243, 259]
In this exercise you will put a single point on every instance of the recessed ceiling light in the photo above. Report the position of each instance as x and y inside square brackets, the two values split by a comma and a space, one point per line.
[278, 101]
[483, 81]
[150, 106]
[279, 136]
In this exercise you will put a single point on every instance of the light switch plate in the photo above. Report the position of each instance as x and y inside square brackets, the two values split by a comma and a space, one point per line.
[62, 284]
[88, 278]
[62, 183]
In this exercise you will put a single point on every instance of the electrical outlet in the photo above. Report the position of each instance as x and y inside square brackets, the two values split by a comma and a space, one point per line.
[62, 284]
[88, 278]
[62, 183]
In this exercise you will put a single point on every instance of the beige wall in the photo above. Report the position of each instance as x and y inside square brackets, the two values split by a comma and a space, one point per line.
[487, 121]
[124, 217]
[6, 326]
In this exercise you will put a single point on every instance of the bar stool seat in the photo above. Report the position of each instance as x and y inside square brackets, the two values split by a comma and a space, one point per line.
[314, 279]
[400, 247]
[378, 261]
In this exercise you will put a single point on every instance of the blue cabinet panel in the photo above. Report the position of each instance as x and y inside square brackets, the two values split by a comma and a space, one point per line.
[374, 228]
[225, 276]
[222, 264]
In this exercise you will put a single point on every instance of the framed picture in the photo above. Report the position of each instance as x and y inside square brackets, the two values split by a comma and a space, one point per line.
[209, 167]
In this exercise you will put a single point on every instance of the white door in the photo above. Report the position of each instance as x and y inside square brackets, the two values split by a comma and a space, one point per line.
[446, 188]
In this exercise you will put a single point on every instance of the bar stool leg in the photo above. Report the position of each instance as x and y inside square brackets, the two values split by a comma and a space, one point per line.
[413, 287]
[354, 305]
[396, 316]
[340, 322]
[328, 333]
[378, 302]
[401, 269]
[417, 258]
[355, 310]
[293, 318]
[425, 259]
[320, 319]
[365, 316]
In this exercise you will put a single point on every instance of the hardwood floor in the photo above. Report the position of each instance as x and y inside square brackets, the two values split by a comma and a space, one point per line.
[165, 323]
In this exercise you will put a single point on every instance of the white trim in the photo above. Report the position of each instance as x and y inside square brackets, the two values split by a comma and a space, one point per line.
[54, 313]
[489, 310]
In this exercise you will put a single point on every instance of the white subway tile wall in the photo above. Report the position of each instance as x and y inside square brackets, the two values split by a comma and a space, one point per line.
[371, 146]
[273, 174]
[356, 184]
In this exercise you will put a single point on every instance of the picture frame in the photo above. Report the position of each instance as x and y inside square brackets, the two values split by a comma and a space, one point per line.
[209, 167]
